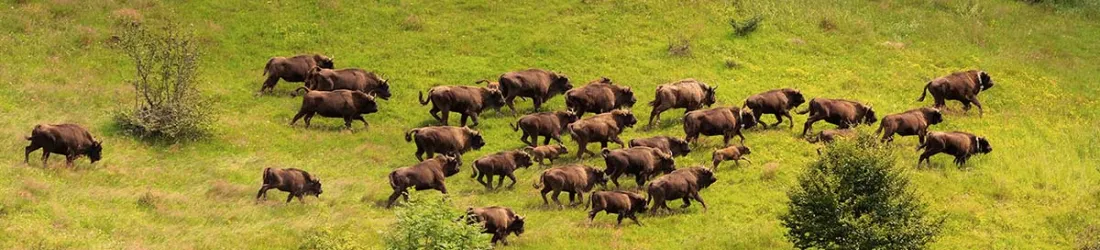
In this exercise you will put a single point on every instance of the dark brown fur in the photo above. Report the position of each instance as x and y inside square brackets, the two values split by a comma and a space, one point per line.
[574, 179]
[840, 112]
[429, 174]
[349, 79]
[680, 184]
[347, 104]
[778, 102]
[498, 221]
[538, 84]
[625, 204]
[687, 94]
[292, 69]
[642, 162]
[502, 164]
[468, 101]
[295, 181]
[70, 140]
[599, 96]
[445, 140]
[734, 153]
[678, 147]
[962, 145]
[549, 152]
[830, 135]
[601, 128]
[911, 122]
[724, 121]
[547, 124]
[960, 86]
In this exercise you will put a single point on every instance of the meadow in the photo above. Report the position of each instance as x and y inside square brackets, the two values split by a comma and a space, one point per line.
[1038, 189]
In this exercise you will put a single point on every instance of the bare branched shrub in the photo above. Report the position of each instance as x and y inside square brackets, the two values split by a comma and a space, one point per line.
[412, 23]
[679, 47]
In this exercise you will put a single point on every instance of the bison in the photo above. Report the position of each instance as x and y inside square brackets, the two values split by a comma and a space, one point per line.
[468, 101]
[678, 147]
[830, 135]
[960, 86]
[295, 181]
[778, 102]
[843, 113]
[538, 84]
[601, 128]
[349, 79]
[960, 144]
[735, 153]
[347, 104]
[70, 140]
[502, 164]
[425, 175]
[496, 220]
[912, 122]
[293, 69]
[680, 184]
[574, 179]
[642, 162]
[547, 124]
[445, 140]
[549, 152]
[625, 204]
[599, 96]
[687, 94]
[724, 121]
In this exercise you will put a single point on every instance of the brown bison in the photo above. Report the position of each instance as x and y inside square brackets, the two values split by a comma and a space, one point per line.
[538, 84]
[445, 140]
[642, 162]
[468, 101]
[960, 144]
[778, 102]
[912, 122]
[349, 79]
[625, 204]
[734, 153]
[843, 113]
[574, 179]
[687, 94]
[830, 135]
[70, 140]
[547, 124]
[425, 175]
[496, 220]
[347, 104]
[549, 152]
[599, 96]
[601, 128]
[291, 180]
[680, 184]
[678, 147]
[502, 164]
[724, 121]
[960, 86]
[293, 69]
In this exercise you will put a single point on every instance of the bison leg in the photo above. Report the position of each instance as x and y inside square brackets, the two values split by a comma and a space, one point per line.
[480, 177]
[974, 99]
[365, 124]
[716, 162]
[263, 192]
[582, 148]
[742, 136]
[939, 101]
[616, 139]
[500, 181]
[393, 197]
[547, 138]
[695, 195]
[779, 118]
[746, 158]
[435, 114]
[789, 118]
[556, 137]
[269, 83]
[45, 158]
[809, 124]
[289, 197]
[445, 116]
[419, 153]
[538, 104]
[580, 196]
[544, 191]
[655, 114]
[524, 139]
[592, 215]
[27, 152]
[296, 117]
[300, 199]
[510, 101]
[615, 178]
[640, 179]
[555, 197]
[634, 218]
[510, 176]
[309, 119]
[347, 122]
[572, 198]
[620, 220]
[474, 116]
[463, 118]
[69, 159]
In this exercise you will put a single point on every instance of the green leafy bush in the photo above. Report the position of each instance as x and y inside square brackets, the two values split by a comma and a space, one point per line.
[744, 28]
[330, 239]
[432, 224]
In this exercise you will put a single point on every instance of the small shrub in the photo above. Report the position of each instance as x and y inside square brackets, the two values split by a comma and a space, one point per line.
[330, 239]
[744, 28]
[679, 47]
[149, 200]
[827, 24]
[432, 224]
[769, 171]
[411, 23]
[732, 63]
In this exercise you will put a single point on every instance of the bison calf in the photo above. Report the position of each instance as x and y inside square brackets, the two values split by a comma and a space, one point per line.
[502, 164]
[599, 96]
[734, 153]
[625, 204]
[843, 113]
[445, 140]
[642, 162]
[687, 94]
[912, 122]
[347, 104]
[830, 135]
[574, 179]
[778, 102]
[960, 86]
[70, 140]
[428, 174]
[678, 147]
[549, 152]
[680, 184]
[547, 124]
[292, 180]
[960, 144]
[601, 128]
[724, 121]
[496, 220]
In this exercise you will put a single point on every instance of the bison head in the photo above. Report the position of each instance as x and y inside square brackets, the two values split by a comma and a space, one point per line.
[678, 146]
[637, 202]
[934, 116]
[705, 177]
[522, 159]
[313, 186]
[708, 96]
[494, 98]
[323, 61]
[561, 149]
[365, 103]
[559, 83]
[475, 140]
[516, 227]
[744, 117]
[625, 97]
[984, 81]
[665, 163]
[794, 98]
[383, 89]
[624, 118]
[744, 150]
[95, 152]
[451, 164]
[597, 176]
[566, 117]
[869, 116]
[981, 145]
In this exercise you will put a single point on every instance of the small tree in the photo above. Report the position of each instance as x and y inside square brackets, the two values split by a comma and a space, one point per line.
[853, 198]
[431, 224]
[167, 102]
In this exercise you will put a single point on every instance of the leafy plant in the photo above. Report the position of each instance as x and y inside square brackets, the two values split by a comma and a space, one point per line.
[432, 224]
[744, 28]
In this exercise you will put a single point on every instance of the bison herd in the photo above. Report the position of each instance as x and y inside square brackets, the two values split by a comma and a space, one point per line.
[351, 93]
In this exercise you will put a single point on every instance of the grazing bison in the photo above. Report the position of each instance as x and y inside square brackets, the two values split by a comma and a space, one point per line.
[960, 144]
[502, 164]
[445, 140]
[428, 174]
[687, 94]
[574, 179]
[680, 184]
[293, 69]
[734, 153]
[642, 162]
[625, 204]
[843, 113]
[830, 135]
[678, 147]
[70, 140]
[778, 102]
[960, 86]
[547, 124]
[538, 84]
[599, 96]
[549, 152]
[912, 122]
[291, 180]
[601, 128]
[466, 100]
[347, 104]
[724, 121]
[349, 79]
[496, 220]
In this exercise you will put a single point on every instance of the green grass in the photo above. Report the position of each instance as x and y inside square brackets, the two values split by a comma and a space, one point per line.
[1038, 189]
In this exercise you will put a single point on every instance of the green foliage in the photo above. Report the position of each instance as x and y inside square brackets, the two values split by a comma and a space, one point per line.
[854, 198]
[746, 27]
[430, 223]
[330, 239]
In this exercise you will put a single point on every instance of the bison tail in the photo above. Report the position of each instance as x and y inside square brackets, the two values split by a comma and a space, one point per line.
[804, 111]
[393, 176]
[267, 67]
[408, 134]
[421, 97]
[481, 81]
[605, 152]
[924, 92]
[538, 183]
[268, 175]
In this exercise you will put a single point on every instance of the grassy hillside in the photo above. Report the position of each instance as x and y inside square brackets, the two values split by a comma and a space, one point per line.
[1038, 189]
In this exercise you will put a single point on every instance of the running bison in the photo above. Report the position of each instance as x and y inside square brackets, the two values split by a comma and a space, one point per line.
[642, 162]
[347, 104]
[843, 113]
[445, 140]
[960, 144]
[496, 220]
[574, 179]
[601, 128]
[429, 174]
[549, 152]
[625, 204]
[468, 101]
[960, 86]
[778, 102]
[538, 84]
[680, 184]
[599, 96]
[734, 153]
[295, 181]
[349, 79]
[293, 69]
[724, 121]
[70, 140]
[546, 124]
[687, 94]
[500, 164]
[678, 147]
[912, 122]
[830, 135]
